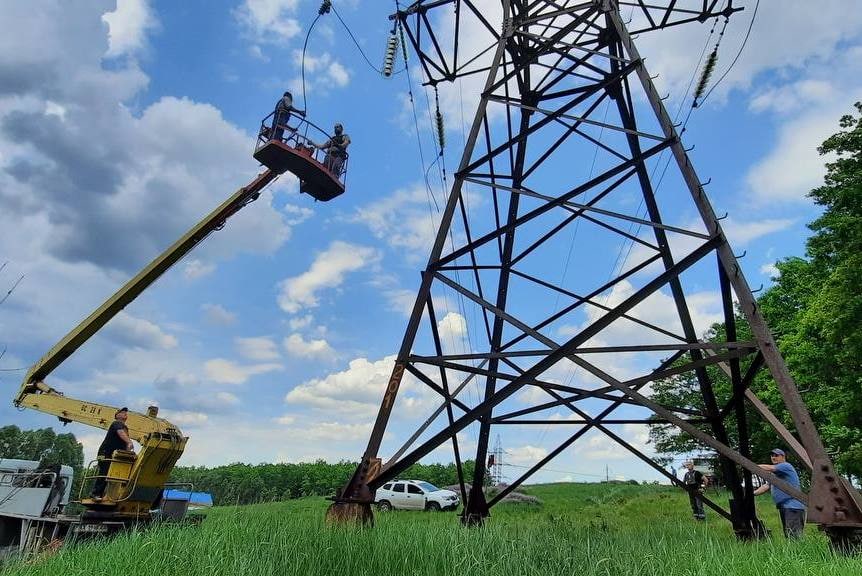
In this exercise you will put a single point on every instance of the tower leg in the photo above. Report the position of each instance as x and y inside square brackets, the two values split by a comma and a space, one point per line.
[358, 513]
[476, 508]
[845, 540]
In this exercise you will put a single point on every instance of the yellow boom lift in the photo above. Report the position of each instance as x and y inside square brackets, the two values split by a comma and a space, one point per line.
[134, 481]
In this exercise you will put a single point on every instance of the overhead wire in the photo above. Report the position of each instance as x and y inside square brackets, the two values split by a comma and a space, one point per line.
[573, 473]
[320, 13]
[359, 47]
[684, 125]
[433, 205]
[626, 246]
[571, 374]
[12, 289]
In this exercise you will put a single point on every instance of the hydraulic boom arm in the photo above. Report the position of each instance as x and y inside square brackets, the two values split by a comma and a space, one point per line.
[133, 288]
[135, 482]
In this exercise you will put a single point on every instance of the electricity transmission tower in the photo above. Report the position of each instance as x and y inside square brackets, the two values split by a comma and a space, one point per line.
[580, 265]
[495, 462]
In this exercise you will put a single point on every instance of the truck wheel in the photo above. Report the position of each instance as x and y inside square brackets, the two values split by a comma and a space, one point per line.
[432, 507]
[384, 506]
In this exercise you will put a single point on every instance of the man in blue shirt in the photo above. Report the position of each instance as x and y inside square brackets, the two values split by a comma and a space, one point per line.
[791, 510]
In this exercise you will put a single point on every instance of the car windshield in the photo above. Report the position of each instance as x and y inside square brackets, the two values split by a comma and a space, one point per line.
[427, 487]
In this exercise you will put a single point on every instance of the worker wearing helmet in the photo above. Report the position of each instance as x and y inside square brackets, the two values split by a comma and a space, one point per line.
[283, 110]
[336, 151]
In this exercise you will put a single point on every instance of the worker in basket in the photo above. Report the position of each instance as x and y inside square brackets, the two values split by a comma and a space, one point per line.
[336, 151]
[283, 110]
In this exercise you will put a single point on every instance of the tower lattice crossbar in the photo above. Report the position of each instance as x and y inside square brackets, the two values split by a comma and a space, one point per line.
[577, 244]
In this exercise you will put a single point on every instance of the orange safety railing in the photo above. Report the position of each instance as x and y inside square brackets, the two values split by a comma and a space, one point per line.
[297, 138]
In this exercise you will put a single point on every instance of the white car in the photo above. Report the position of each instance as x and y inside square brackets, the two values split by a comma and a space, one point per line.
[415, 495]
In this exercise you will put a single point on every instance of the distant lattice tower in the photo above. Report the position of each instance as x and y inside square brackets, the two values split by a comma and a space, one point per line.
[495, 462]
[560, 166]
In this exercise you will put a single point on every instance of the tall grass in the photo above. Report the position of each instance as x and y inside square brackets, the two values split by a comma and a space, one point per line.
[579, 530]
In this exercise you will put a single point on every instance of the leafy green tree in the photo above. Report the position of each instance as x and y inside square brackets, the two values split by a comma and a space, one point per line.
[45, 446]
[823, 343]
[815, 311]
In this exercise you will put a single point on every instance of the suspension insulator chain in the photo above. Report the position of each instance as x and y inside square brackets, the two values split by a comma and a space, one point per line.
[325, 7]
[441, 132]
[709, 66]
[389, 58]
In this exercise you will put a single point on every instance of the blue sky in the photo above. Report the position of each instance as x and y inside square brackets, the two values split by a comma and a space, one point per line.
[123, 124]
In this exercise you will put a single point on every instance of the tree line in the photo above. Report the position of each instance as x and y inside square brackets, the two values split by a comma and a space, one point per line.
[249, 483]
[44, 446]
[230, 484]
[814, 310]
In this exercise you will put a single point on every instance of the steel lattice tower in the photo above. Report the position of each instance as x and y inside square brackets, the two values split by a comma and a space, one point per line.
[495, 463]
[564, 85]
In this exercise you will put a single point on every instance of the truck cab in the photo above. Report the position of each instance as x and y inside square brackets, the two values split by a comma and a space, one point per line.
[32, 500]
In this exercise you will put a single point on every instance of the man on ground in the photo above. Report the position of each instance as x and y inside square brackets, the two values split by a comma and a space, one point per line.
[695, 482]
[791, 510]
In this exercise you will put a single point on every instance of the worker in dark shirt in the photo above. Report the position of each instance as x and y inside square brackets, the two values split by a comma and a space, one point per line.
[695, 482]
[336, 151]
[117, 438]
[283, 110]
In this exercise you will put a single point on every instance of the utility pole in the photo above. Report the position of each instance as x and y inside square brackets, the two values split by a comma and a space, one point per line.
[564, 145]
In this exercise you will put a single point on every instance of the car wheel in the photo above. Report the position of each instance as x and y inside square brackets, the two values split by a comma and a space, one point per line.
[384, 506]
[432, 507]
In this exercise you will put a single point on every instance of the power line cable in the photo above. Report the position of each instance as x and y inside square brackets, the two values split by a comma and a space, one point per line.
[359, 47]
[626, 246]
[12, 289]
[320, 13]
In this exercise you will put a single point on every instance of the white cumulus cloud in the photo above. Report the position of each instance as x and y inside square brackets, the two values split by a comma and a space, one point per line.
[228, 372]
[128, 330]
[269, 21]
[257, 348]
[128, 26]
[218, 314]
[327, 271]
[358, 390]
[297, 346]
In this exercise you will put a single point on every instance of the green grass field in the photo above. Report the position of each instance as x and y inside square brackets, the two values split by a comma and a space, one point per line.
[581, 529]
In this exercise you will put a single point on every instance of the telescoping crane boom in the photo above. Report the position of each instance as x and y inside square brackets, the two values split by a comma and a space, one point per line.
[135, 482]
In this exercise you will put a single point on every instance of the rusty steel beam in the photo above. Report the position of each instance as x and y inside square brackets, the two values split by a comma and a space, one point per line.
[833, 504]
